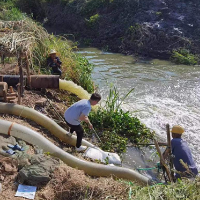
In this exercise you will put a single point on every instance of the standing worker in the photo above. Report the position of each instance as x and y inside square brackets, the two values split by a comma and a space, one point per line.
[180, 150]
[54, 62]
[78, 112]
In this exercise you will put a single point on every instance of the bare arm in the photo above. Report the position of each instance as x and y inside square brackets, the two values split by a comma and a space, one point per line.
[86, 119]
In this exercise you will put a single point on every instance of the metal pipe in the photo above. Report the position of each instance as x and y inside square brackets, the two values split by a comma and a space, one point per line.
[36, 81]
[13, 80]
[44, 81]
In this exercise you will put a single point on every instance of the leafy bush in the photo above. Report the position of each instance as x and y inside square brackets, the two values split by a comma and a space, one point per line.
[83, 72]
[91, 6]
[93, 20]
[113, 142]
[183, 56]
[9, 12]
[117, 125]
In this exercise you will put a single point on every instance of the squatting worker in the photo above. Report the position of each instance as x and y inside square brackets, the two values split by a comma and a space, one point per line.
[180, 150]
[78, 112]
[54, 63]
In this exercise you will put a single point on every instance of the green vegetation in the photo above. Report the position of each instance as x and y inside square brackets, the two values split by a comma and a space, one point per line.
[112, 22]
[158, 13]
[9, 12]
[183, 56]
[117, 126]
[90, 7]
[74, 67]
[181, 190]
[112, 142]
[11, 15]
[93, 20]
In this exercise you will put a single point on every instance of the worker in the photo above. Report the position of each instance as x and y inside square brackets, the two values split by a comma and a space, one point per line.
[181, 151]
[54, 63]
[78, 112]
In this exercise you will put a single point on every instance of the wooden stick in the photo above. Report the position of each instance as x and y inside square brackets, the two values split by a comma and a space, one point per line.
[170, 150]
[61, 117]
[4, 95]
[168, 136]
[162, 161]
[21, 75]
[28, 71]
[19, 95]
[159, 143]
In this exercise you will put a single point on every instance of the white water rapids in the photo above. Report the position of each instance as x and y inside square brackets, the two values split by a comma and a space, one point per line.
[164, 92]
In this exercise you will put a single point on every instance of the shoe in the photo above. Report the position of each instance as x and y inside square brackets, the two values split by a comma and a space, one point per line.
[15, 147]
[10, 151]
[81, 148]
[70, 134]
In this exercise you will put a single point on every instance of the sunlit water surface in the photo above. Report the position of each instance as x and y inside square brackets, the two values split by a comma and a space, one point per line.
[163, 92]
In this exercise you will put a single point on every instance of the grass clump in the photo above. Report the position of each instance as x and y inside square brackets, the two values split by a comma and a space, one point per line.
[74, 67]
[183, 56]
[182, 189]
[32, 39]
[90, 7]
[118, 126]
[9, 12]
[13, 14]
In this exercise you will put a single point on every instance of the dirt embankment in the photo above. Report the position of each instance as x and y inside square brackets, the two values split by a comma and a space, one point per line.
[66, 182]
[151, 28]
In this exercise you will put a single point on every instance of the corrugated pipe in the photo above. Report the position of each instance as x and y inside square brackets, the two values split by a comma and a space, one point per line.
[35, 138]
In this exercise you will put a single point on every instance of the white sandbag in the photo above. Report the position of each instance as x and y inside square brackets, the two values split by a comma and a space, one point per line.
[105, 157]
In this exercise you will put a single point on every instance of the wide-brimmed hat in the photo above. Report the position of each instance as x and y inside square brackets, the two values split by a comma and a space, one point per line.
[52, 51]
[177, 129]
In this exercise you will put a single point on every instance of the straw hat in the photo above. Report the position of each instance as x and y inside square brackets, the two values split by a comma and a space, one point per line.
[52, 51]
[177, 129]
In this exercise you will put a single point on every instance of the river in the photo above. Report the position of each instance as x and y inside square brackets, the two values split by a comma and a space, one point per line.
[163, 92]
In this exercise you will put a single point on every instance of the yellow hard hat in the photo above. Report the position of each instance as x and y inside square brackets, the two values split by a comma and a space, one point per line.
[177, 129]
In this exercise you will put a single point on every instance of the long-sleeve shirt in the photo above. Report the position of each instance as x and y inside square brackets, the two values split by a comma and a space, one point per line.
[52, 64]
[180, 150]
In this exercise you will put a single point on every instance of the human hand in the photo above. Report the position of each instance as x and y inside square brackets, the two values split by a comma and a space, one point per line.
[55, 60]
[90, 126]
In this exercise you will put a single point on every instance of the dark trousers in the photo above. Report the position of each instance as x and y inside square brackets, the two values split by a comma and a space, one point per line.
[79, 132]
[56, 70]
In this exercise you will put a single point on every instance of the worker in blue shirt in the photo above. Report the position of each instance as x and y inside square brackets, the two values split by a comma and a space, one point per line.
[181, 151]
[77, 113]
[54, 63]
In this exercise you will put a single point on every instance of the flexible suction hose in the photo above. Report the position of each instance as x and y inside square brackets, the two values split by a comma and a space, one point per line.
[35, 138]
[42, 120]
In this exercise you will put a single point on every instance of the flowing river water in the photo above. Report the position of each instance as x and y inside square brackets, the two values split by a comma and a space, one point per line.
[163, 92]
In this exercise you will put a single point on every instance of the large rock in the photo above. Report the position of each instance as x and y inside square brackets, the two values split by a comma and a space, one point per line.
[40, 170]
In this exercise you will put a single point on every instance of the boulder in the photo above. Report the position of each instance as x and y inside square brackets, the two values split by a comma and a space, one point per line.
[40, 170]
